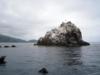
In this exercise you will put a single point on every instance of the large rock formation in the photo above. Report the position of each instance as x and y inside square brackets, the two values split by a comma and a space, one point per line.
[67, 34]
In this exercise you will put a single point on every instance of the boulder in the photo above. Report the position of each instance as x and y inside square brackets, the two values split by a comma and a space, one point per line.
[13, 46]
[2, 60]
[43, 70]
[6, 46]
[67, 34]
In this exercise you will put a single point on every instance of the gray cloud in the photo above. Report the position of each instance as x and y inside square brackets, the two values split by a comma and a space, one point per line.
[30, 19]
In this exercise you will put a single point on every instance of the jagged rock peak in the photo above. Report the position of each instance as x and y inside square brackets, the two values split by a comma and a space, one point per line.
[67, 34]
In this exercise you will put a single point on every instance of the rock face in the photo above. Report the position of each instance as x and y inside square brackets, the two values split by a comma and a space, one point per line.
[67, 34]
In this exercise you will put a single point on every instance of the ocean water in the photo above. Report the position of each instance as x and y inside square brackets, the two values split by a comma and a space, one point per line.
[27, 59]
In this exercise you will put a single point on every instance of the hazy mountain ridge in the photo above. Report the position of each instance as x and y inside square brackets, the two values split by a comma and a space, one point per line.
[32, 40]
[5, 38]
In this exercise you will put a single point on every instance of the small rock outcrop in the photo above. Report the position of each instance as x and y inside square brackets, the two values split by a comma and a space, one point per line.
[6, 46]
[13, 46]
[2, 60]
[67, 34]
[43, 70]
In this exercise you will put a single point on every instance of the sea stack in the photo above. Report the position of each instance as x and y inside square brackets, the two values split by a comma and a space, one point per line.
[67, 34]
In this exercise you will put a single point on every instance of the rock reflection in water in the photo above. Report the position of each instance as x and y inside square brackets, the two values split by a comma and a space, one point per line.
[73, 56]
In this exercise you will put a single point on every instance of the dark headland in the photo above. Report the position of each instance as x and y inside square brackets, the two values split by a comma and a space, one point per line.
[67, 34]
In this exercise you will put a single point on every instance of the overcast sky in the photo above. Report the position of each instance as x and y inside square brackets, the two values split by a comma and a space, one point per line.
[30, 19]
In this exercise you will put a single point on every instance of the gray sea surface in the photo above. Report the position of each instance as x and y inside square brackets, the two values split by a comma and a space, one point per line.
[27, 59]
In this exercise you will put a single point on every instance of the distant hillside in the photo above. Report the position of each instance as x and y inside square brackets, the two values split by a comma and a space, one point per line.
[32, 41]
[4, 38]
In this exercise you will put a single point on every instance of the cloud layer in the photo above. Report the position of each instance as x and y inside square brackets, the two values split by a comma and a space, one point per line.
[30, 19]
